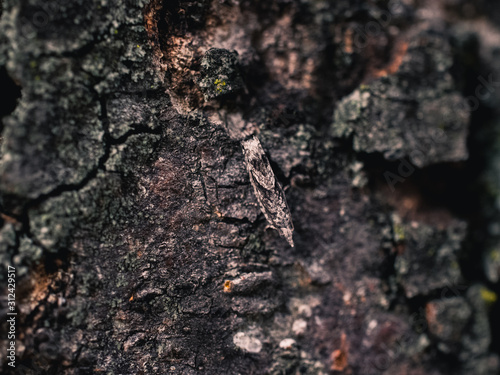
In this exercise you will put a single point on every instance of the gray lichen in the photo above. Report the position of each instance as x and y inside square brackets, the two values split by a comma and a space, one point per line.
[412, 113]
[221, 75]
[427, 250]
[134, 223]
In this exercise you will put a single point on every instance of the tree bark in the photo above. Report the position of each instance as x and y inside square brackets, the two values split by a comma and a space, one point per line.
[133, 217]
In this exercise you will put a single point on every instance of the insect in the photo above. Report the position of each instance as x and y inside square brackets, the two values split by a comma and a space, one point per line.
[221, 76]
[268, 190]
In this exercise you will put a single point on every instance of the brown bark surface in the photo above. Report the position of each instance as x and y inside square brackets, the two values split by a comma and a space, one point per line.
[129, 214]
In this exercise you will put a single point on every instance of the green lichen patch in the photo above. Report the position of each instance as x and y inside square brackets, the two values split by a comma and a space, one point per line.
[221, 75]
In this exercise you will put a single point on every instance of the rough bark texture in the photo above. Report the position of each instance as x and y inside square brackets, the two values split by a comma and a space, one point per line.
[138, 241]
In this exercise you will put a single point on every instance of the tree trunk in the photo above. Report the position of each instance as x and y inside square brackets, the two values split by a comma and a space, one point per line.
[157, 155]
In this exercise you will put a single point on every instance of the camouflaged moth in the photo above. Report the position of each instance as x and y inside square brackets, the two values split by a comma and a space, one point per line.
[268, 190]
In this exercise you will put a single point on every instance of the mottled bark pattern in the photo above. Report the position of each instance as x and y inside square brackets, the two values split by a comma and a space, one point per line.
[141, 241]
